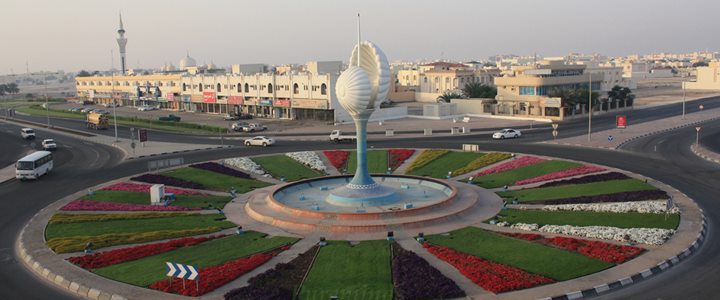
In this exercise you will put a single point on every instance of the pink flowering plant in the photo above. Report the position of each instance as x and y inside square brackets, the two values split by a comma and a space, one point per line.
[145, 188]
[513, 164]
[89, 205]
[586, 169]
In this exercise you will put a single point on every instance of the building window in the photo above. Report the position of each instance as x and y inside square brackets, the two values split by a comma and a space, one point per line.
[270, 88]
[527, 90]
[323, 89]
[296, 89]
[184, 87]
[239, 88]
[218, 88]
[200, 87]
[247, 88]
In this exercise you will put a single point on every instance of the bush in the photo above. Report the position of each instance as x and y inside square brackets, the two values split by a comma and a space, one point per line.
[425, 158]
[481, 162]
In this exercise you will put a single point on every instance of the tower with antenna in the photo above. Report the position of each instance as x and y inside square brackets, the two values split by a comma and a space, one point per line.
[122, 41]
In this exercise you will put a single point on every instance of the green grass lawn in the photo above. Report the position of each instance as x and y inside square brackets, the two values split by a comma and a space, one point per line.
[135, 226]
[377, 161]
[587, 218]
[440, 167]
[191, 201]
[530, 256]
[280, 166]
[511, 176]
[576, 190]
[145, 271]
[350, 272]
[216, 181]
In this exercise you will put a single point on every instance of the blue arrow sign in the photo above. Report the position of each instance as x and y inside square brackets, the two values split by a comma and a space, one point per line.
[610, 137]
[181, 271]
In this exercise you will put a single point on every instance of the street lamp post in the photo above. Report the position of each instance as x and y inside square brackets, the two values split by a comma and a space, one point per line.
[590, 108]
[697, 136]
[683, 111]
[47, 106]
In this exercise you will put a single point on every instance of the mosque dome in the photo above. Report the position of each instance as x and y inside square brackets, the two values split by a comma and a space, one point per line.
[187, 62]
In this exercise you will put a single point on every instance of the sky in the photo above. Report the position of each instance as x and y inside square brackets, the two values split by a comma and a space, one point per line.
[80, 34]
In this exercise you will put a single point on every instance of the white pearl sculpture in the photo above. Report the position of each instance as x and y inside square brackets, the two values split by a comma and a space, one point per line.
[362, 88]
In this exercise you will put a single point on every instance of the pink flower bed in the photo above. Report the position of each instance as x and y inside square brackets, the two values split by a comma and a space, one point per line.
[145, 188]
[586, 169]
[513, 164]
[81, 205]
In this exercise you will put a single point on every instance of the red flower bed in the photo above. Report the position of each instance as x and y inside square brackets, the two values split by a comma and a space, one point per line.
[398, 156]
[90, 205]
[337, 157]
[108, 258]
[523, 236]
[513, 164]
[211, 278]
[491, 276]
[562, 174]
[145, 188]
[607, 252]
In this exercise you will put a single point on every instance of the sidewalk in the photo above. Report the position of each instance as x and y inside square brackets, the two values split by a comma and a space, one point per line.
[615, 138]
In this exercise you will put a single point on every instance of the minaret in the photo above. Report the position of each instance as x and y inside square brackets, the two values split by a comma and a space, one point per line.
[122, 41]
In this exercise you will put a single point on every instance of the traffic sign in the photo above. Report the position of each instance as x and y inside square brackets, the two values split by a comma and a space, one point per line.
[181, 271]
[555, 126]
[143, 135]
[610, 138]
[555, 133]
[698, 128]
[621, 121]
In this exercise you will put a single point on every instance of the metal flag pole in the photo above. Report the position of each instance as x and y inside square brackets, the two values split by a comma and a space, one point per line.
[358, 40]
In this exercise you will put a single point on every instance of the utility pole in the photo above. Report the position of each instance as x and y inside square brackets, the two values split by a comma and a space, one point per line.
[112, 92]
[590, 109]
[683, 89]
[47, 105]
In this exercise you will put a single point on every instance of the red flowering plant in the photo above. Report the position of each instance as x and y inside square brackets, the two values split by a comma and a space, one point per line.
[513, 164]
[213, 277]
[606, 252]
[398, 156]
[337, 158]
[523, 236]
[491, 276]
[90, 205]
[145, 188]
[113, 257]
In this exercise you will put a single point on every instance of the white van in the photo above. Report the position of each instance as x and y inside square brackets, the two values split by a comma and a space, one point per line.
[34, 165]
[27, 133]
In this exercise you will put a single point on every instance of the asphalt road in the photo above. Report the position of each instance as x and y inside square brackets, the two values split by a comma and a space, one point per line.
[665, 157]
[13, 146]
[710, 137]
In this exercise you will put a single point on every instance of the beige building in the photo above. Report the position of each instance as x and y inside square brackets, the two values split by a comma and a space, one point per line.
[440, 77]
[159, 89]
[708, 78]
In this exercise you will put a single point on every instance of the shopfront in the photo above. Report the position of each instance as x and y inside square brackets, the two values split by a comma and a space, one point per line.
[311, 109]
[281, 108]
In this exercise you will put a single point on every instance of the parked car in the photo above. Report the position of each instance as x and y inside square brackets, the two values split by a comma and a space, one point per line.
[27, 133]
[49, 145]
[146, 108]
[252, 127]
[101, 111]
[86, 109]
[259, 141]
[506, 133]
[231, 117]
[110, 105]
[172, 118]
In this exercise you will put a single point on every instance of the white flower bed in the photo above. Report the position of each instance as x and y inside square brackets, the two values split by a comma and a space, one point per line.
[651, 207]
[309, 159]
[245, 164]
[649, 236]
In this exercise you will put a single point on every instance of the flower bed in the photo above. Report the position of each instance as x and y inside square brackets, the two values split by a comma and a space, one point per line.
[607, 252]
[309, 159]
[107, 258]
[415, 278]
[481, 162]
[523, 236]
[513, 164]
[145, 188]
[588, 179]
[399, 156]
[648, 236]
[646, 207]
[62, 218]
[562, 174]
[167, 180]
[245, 164]
[615, 197]
[425, 158]
[280, 282]
[338, 158]
[89, 205]
[77, 243]
[491, 276]
[218, 168]
[211, 278]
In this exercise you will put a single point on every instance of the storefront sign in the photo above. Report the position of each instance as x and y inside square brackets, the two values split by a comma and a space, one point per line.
[196, 98]
[209, 97]
[281, 102]
[309, 103]
[235, 100]
[250, 102]
[266, 102]
[551, 102]
[170, 96]
[621, 121]
[185, 98]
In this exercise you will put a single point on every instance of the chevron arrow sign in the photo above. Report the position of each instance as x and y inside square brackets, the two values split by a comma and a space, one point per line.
[181, 271]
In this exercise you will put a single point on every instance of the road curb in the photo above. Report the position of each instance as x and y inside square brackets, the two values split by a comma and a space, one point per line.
[640, 276]
[665, 130]
[700, 151]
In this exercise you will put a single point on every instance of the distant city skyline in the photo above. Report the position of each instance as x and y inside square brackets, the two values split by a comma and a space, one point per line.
[54, 35]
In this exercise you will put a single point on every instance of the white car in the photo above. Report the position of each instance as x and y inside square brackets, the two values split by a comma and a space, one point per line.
[506, 134]
[27, 133]
[146, 108]
[259, 141]
[49, 144]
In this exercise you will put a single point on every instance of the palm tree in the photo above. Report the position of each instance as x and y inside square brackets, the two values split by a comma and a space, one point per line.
[567, 96]
[479, 90]
[447, 95]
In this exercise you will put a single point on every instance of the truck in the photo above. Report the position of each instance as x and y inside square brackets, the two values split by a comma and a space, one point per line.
[337, 136]
[172, 118]
[97, 121]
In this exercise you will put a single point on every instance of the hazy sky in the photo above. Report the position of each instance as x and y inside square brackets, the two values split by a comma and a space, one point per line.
[73, 35]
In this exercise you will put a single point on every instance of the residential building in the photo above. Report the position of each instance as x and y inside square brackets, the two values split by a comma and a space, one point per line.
[439, 77]
[708, 78]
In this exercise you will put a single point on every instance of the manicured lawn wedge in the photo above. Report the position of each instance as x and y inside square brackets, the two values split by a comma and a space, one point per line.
[577, 190]
[282, 166]
[529, 256]
[425, 158]
[215, 181]
[348, 271]
[481, 162]
[439, 167]
[586, 218]
[377, 161]
[145, 271]
[533, 170]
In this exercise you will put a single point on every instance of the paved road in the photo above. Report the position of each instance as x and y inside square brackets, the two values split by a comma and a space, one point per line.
[710, 136]
[13, 146]
[80, 165]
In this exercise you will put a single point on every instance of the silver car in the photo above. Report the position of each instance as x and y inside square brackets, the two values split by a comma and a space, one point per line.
[260, 141]
[506, 134]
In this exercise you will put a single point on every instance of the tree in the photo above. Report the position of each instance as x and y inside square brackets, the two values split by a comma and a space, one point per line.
[478, 90]
[621, 94]
[83, 73]
[12, 88]
[700, 64]
[567, 96]
[3, 89]
[447, 95]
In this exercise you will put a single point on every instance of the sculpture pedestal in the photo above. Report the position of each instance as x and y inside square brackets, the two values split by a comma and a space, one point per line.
[359, 196]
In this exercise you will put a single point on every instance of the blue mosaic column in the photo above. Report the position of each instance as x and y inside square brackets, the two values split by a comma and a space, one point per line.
[362, 175]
